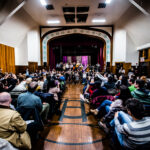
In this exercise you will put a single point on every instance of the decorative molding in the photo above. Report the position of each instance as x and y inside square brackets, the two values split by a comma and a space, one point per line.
[144, 46]
[76, 31]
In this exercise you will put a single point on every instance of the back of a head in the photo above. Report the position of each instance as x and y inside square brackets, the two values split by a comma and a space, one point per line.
[132, 80]
[5, 98]
[140, 83]
[124, 93]
[32, 86]
[28, 80]
[98, 84]
[110, 78]
[143, 78]
[51, 83]
[96, 78]
[21, 78]
[41, 78]
[136, 108]
[124, 80]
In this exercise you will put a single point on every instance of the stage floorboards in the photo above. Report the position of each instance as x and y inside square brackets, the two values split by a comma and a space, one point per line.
[74, 129]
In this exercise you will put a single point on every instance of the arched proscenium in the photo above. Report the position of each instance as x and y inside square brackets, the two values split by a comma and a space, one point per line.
[76, 31]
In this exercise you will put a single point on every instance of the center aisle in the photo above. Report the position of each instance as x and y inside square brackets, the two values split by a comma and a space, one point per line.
[74, 129]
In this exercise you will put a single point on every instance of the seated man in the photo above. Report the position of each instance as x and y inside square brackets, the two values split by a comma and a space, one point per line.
[141, 93]
[29, 99]
[21, 86]
[131, 87]
[12, 126]
[132, 130]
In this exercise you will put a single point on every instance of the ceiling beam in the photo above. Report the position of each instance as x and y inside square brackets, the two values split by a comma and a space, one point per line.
[13, 12]
[139, 7]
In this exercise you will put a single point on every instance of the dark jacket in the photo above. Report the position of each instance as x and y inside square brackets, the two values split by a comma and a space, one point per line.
[142, 95]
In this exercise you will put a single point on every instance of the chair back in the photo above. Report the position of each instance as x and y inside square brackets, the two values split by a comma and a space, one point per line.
[31, 113]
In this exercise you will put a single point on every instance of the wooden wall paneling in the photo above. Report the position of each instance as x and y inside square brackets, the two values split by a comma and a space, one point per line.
[127, 66]
[33, 66]
[21, 69]
[40, 67]
[113, 69]
[149, 53]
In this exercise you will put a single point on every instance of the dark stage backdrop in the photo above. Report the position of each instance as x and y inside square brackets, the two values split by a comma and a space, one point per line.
[76, 45]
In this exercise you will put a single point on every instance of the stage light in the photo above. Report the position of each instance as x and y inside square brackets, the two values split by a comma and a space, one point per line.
[43, 2]
[108, 1]
[53, 21]
[98, 20]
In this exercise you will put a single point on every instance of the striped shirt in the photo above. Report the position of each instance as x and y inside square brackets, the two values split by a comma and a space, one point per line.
[134, 133]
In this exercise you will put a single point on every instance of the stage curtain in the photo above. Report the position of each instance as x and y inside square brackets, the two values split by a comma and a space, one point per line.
[7, 58]
[84, 60]
[100, 58]
[64, 59]
[73, 58]
[52, 59]
[89, 60]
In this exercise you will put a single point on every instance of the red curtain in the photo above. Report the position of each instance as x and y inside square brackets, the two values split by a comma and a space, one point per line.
[100, 58]
[52, 62]
[73, 58]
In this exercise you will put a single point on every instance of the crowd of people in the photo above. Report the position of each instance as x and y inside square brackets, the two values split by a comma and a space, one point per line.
[27, 102]
[121, 103]
[122, 106]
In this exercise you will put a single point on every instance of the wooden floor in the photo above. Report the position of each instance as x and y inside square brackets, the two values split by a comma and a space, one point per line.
[74, 129]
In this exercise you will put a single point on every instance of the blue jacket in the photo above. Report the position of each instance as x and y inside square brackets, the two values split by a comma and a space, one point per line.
[29, 100]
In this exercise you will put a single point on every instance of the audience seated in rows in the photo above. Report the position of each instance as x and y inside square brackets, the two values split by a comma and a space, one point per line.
[42, 90]
[108, 110]
[29, 99]
[12, 126]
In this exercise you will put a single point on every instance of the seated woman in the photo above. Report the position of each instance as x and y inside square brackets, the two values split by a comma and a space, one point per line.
[93, 90]
[111, 107]
[110, 84]
[98, 90]
[53, 89]
[123, 80]
[88, 90]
